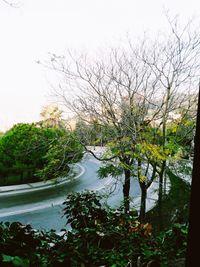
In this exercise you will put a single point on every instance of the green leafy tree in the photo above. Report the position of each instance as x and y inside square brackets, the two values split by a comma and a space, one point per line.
[21, 151]
[65, 150]
[27, 149]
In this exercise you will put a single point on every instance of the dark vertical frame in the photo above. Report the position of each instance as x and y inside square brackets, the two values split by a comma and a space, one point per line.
[193, 246]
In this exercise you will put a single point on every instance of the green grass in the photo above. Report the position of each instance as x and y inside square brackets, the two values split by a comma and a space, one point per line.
[177, 200]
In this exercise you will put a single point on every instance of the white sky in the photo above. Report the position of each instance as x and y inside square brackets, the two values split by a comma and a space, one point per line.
[37, 27]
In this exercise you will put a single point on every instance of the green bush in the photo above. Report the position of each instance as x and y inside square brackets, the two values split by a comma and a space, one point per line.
[29, 153]
[99, 237]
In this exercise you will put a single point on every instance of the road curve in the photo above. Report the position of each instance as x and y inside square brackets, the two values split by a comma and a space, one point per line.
[43, 209]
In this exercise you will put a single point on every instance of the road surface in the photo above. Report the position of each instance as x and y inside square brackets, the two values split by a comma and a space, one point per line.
[43, 209]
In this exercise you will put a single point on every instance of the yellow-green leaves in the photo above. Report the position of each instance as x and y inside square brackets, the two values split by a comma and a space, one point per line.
[154, 152]
[142, 178]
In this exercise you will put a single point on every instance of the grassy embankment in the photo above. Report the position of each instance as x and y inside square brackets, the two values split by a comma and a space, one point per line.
[175, 205]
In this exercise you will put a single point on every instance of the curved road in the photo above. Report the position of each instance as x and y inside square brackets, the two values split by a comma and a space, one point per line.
[43, 209]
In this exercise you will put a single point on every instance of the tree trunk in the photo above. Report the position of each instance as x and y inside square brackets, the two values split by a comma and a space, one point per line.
[165, 184]
[126, 190]
[143, 201]
[160, 195]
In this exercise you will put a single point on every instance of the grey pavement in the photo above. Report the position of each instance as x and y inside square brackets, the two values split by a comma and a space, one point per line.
[40, 204]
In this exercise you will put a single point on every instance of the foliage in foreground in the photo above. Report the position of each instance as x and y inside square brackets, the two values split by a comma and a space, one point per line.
[99, 237]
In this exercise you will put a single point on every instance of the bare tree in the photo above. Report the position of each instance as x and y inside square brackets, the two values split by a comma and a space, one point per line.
[134, 89]
[174, 60]
[113, 92]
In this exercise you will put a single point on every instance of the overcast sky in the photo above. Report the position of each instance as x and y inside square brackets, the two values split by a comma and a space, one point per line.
[28, 33]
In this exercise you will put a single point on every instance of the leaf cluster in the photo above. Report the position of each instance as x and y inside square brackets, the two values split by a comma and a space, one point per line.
[100, 236]
[29, 153]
